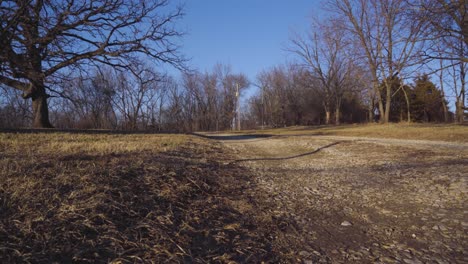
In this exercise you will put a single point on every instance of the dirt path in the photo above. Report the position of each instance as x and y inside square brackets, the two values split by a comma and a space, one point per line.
[359, 200]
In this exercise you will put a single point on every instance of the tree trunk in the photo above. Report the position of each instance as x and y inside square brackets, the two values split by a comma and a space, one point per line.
[459, 111]
[337, 110]
[380, 102]
[444, 106]
[40, 108]
[441, 83]
[408, 112]
[327, 117]
[371, 111]
[337, 116]
[461, 97]
[387, 105]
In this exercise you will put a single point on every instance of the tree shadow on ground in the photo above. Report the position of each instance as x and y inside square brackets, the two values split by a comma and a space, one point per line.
[82, 131]
[181, 206]
[233, 137]
[291, 157]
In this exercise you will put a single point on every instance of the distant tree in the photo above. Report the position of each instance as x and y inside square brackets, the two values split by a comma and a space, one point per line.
[134, 92]
[89, 101]
[44, 40]
[427, 102]
[323, 53]
[354, 110]
[14, 112]
[286, 96]
[173, 116]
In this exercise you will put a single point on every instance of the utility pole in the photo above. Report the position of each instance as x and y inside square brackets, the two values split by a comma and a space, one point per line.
[263, 107]
[238, 107]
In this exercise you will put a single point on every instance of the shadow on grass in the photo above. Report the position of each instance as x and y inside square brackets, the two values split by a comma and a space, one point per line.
[82, 131]
[130, 208]
[291, 157]
[233, 137]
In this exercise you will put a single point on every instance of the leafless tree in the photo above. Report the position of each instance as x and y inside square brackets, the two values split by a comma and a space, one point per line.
[388, 39]
[324, 53]
[44, 39]
[447, 33]
[228, 84]
[14, 112]
[134, 93]
[448, 27]
[87, 101]
[285, 97]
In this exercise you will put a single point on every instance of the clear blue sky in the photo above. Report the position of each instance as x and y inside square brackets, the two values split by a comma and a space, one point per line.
[249, 35]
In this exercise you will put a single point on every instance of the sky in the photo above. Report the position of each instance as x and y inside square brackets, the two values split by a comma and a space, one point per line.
[248, 35]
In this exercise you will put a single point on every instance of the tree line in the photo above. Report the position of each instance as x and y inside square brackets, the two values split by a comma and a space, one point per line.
[140, 99]
[94, 65]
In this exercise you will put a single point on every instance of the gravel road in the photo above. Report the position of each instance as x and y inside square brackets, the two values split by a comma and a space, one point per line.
[361, 200]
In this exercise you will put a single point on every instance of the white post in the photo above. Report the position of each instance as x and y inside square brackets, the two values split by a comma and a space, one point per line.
[238, 107]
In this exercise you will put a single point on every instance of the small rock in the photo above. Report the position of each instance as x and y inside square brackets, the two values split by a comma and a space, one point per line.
[346, 223]
[412, 261]
[439, 227]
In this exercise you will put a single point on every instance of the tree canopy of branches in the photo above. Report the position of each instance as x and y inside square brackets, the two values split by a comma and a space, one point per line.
[43, 40]
[386, 37]
[210, 98]
[290, 95]
[324, 55]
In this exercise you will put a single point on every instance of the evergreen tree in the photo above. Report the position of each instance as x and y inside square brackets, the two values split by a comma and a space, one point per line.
[426, 101]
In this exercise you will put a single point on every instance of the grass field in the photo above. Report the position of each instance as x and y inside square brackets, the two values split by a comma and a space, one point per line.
[440, 132]
[88, 198]
[136, 198]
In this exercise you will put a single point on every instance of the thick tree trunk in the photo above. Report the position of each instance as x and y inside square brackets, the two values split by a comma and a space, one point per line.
[337, 116]
[337, 110]
[40, 109]
[444, 106]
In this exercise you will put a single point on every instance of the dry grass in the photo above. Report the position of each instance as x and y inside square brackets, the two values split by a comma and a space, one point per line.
[79, 198]
[438, 132]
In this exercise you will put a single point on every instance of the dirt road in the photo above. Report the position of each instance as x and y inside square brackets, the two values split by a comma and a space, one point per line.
[358, 200]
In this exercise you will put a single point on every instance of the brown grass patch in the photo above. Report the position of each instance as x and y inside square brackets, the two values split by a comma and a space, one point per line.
[74, 198]
[437, 132]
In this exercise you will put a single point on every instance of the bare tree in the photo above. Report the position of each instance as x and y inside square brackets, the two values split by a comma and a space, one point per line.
[448, 27]
[324, 53]
[274, 85]
[44, 39]
[88, 100]
[134, 93]
[448, 34]
[14, 112]
[387, 37]
[228, 84]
